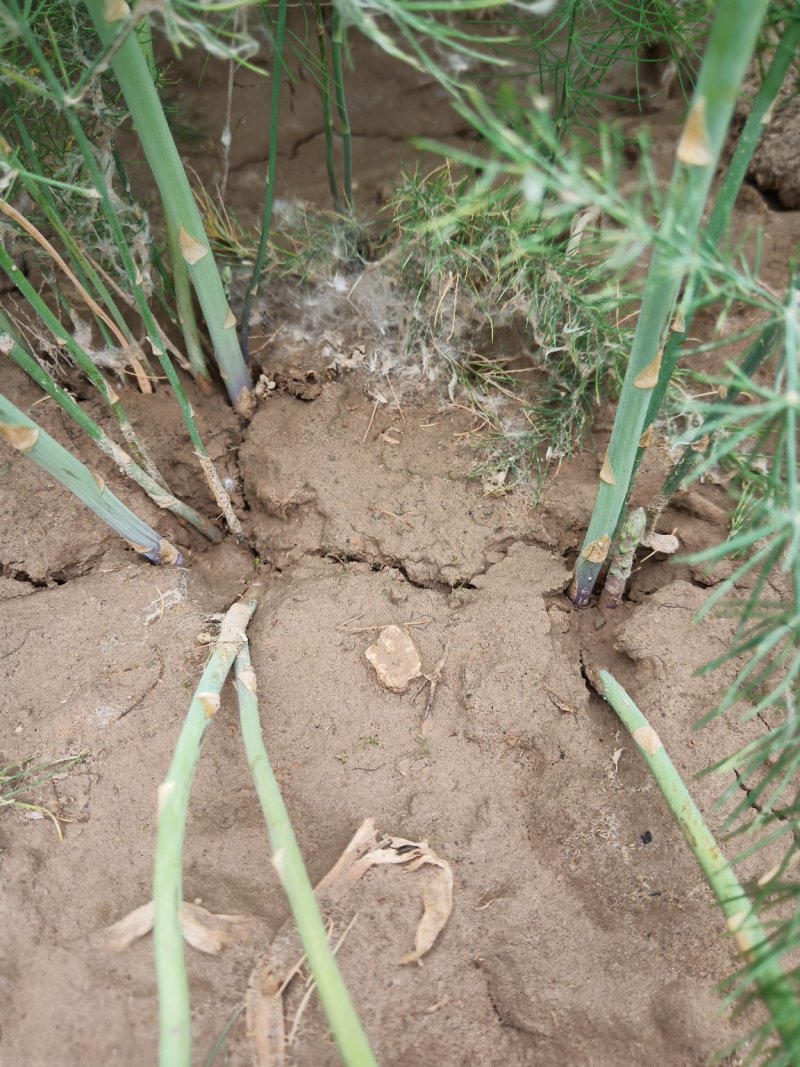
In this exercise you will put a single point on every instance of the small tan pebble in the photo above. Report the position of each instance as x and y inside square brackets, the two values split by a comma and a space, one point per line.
[395, 659]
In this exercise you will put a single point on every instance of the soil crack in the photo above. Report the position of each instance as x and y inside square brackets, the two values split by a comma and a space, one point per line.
[393, 563]
[18, 575]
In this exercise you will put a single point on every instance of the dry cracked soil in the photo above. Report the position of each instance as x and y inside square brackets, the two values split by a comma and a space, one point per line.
[582, 932]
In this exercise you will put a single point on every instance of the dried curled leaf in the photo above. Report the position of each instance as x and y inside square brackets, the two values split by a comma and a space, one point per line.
[272, 978]
[437, 903]
[202, 929]
[135, 925]
[211, 933]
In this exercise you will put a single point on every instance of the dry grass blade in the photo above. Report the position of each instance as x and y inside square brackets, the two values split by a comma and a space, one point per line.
[31, 230]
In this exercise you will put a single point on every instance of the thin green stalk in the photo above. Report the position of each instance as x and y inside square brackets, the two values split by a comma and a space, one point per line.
[773, 986]
[29, 439]
[692, 457]
[151, 326]
[327, 116]
[144, 34]
[95, 376]
[219, 1044]
[343, 1020]
[792, 342]
[110, 448]
[184, 306]
[174, 1009]
[132, 74]
[723, 208]
[41, 195]
[758, 118]
[730, 45]
[337, 53]
[619, 572]
[272, 169]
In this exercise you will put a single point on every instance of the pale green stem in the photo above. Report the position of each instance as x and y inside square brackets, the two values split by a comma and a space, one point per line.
[742, 921]
[735, 172]
[619, 572]
[327, 117]
[174, 1008]
[185, 310]
[156, 491]
[133, 76]
[32, 441]
[95, 376]
[272, 170]
[343, 1020]
[337, 53]
[792, 397]
[732, 39]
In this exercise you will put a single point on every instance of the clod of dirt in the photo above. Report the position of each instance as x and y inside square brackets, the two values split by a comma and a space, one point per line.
[328, 479]
[776, 161]
[395, 659]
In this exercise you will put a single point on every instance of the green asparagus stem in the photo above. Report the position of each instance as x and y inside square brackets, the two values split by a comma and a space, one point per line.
[132, 74]
[175, 1021]
[272, 168]
[741, 918]
[327, 117]
[622, 562]
[337, 38]
[156, 492]
[345, 1025]
[24, 435]
[723, 209]
[730, 45]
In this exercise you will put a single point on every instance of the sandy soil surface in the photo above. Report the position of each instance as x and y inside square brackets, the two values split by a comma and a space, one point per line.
[582, 931]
